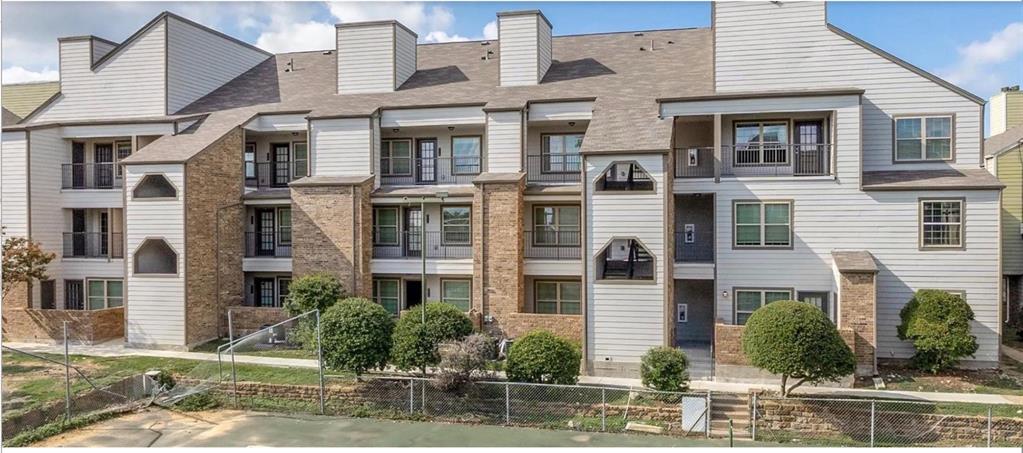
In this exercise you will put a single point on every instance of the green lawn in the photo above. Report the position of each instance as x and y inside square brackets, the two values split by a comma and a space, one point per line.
[280, 351]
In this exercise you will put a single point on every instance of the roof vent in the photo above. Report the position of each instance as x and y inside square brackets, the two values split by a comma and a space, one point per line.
[1012, 88]
[328, 52]
[637, 34]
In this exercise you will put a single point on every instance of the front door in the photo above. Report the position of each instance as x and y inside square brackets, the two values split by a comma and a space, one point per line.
[104, 231]
[810, 156]
[103, 158]
[78, 165]
[413, 232]
[73, 295]
[265, 241]
[281, 157]
[413, 293]
[78, 235]
[426, 161]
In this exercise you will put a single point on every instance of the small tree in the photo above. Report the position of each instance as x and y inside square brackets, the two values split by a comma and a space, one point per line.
[664, 369]
[797, 341]
[356, 335]
[23, 261]
[462, 360]
[415, 343]
[313, 292]
[542, 357]
[938, 324]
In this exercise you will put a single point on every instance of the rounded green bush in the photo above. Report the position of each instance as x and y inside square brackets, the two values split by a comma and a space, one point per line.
[541, 356]
[938, 324]
[313, 292]
[796, 340]
[415, 343]
[664, 369]
[356, 335]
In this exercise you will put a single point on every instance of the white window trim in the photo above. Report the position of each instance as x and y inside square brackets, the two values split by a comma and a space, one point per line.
[106, 292]
[762, 225]
[763, 296]
[294, 161]
[923, 138]
[961, 223]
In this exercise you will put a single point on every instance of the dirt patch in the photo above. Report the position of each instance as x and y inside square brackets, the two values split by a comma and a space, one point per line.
[1007, 380]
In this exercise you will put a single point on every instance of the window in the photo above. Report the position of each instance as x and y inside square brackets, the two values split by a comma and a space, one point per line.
[48, 294]
[385, 226]
[465, 155]
[396, 158]
[73, 295]
[123, 150]
[767, 224]
[556, 225]
[557, 297]
[154, 186]
[284, 226]
[455, 225]
[625, 259]
[819, 299]
[385, 293]
[265, 292]
[154, 256]
[250, 161]
[105, 294]
[457, 293]
[923, 138]
[749, 300]
[283, 286]
[300, 157]
[759, 143]
[941, 223]
[625, 176]
[560, 153]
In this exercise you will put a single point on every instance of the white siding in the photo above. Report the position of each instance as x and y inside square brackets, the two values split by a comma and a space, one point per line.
[14, 183]
[200, 61]
[275, 123]
[47, 152]
[156, 304]
[625, 319]
[116, 130]
[763, 46]
[544, 48]
[365, 59]
[561, 111]
[519, 50]
[266, 265]
[130, 84]
[341, 147]
[439, 116]
[504, 142]
[404, 55]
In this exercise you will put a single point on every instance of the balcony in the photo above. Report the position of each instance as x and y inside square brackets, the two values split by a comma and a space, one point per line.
[90, 176]
[769, 159]
[93, 245]
[438, 245]
[553, 168]
[270, 174]
[552, 245]
[268, 244]
[406, 171]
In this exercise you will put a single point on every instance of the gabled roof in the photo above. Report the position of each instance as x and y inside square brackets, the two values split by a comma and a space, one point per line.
[21, 99]
[1010, 139]
[9, 118]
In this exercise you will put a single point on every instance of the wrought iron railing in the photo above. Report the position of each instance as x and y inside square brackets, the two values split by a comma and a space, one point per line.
[90, 176]
[93, 245]
[268, 243]
[271, 174]
[409, 171]
[553, 168]
[552, 245]
[768, 159]
[438, 245]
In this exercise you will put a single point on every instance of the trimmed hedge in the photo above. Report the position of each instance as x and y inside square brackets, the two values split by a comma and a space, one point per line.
[415, 344]
[313, 292]
[542, 357]
[356, 335]
[938, 324]
[664, 369]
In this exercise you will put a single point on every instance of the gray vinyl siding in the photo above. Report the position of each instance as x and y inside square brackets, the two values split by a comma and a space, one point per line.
[504, 142]
[100, 49]
[624, 319]
[341, 147]
[519, 50]
[544, 48]
[764, 46]
[156, 308]
[200, 61]
[130, 84]
[365, 59]
[14, 191]
[404, 55]
[561, 111]
[47, 152]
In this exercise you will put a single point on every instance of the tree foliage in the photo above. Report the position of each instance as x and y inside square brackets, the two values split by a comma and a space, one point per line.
[797, 341]
[23, 261]
[938, 324]
[541, 356]
[313, 292]
[416, 344]
[356, 335]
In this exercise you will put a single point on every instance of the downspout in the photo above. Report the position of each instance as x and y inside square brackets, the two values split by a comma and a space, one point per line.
[356, 241]
[483, 251]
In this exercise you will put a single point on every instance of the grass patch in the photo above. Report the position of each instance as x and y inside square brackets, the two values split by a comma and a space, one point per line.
[198, 402]
[283, 352]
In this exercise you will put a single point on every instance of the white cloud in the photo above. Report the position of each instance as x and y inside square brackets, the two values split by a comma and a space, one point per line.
[18, 74]
[490, 30]
[431, 23]
[980, 66]
[440, 36]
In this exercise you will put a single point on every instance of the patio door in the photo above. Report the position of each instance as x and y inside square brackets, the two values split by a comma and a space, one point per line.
[265, 296]
[426, 161]
[73, 295]
[103, 158]
[78, 165]
[265, 242]
[78, 236]
[281, 157]
[413, 232]
[809, 154]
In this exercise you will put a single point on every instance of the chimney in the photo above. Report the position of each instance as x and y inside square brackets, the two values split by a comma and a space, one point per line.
[1006, 109]
[78, 53]
[374, 57]
[525, 47]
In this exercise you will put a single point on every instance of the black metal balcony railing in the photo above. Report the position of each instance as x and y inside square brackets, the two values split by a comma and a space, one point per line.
[93, 245]
[438, 245]
[553, 168]
[406, 171]
[90, 176]
[268, 243]
[553, 245]
[696, 252]
[269, 174]
[769, 159]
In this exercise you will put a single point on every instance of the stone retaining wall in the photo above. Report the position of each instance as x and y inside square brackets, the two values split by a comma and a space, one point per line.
[84, 326]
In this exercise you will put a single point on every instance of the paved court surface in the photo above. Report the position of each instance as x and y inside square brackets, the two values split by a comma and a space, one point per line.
[162, 428]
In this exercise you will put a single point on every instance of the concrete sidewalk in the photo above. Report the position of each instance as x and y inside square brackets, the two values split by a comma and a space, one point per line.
[117, 349]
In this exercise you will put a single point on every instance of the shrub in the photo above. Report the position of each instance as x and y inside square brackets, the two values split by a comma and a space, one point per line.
[797, 341]
[164, 380]
[313, 292]
[938, 324]
[664, 369]
[356, 335]
[197, 402]
[463, 360]
[541, 356]
[416, 344]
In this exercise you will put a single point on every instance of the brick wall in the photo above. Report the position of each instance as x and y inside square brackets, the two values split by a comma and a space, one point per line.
[858, 312]
[84, 326]
[246, 320]
[332, 232]
[17, 297]
[566, 326]
[498, 210]
[728, 343]
[214, 222]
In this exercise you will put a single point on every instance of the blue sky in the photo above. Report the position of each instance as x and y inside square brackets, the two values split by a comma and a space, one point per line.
[978, 45]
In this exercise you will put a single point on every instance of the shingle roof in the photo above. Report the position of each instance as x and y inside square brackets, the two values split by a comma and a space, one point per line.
[24, 98]
[625, 81]
[996, 144]
[854, 261]
[961, 179]
[9, 118]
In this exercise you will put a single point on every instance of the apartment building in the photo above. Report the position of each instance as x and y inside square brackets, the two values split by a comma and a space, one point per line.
[626, 190]
[1004, 159]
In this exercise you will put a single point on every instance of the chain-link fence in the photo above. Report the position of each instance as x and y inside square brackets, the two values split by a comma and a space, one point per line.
[882, 422]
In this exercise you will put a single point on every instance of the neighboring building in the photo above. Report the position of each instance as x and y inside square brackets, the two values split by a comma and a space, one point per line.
[629, 190]
[1004, 157]
[21, 99]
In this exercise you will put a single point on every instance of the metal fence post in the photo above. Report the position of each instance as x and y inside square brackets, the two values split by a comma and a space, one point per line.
[603, 409]
[67, 378]
[411, 395]
[873, 405]
[706, 416]
[753, 419]
[507, 404]
[234, 373]
[989, 426]
[319, 360]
